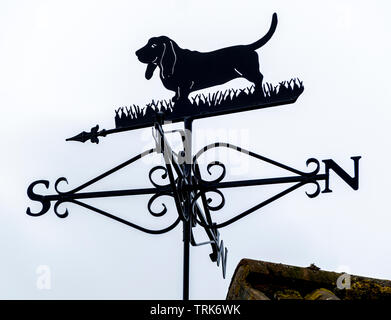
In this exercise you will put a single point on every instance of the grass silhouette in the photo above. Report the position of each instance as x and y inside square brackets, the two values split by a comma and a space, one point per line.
[201, 103]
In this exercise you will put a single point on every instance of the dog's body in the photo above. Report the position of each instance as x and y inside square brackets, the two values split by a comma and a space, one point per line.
[184, 71]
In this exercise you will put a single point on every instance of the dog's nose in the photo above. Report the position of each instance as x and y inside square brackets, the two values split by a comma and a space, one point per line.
[137, 53]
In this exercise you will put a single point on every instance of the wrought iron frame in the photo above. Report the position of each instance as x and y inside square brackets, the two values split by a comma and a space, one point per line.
[189, 190]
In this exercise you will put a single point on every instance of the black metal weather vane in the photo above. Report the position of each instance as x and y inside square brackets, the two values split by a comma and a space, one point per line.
[184, 71]
[181, 174]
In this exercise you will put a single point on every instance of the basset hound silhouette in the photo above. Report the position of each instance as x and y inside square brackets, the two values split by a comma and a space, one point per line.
[184, 71]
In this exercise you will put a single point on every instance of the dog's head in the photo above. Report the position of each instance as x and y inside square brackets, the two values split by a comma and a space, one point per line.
[159, 51]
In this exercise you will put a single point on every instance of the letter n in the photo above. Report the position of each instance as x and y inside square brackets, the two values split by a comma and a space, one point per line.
[351, 181]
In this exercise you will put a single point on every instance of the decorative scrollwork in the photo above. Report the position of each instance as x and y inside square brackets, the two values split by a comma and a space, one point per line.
[58, 181]
[58, 214]
[153, 199]
[256, 156]
[316, 192]
[210, 200]
[163, 176]
[109, 172]
[128, 223]
[208, 203]
[71, 196]
[316, 170]
[180, 184]
[302, 178]
[197, 173]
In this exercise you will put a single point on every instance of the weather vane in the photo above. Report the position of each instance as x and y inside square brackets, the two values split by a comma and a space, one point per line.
[184, 71]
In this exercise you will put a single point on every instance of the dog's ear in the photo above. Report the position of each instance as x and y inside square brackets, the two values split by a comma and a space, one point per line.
[168, 59]
[150, 69]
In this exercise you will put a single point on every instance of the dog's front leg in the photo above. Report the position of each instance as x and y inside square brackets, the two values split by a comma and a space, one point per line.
[177, 96]
[181, 95]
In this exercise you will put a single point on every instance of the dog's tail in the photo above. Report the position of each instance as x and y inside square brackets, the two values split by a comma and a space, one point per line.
[267, 36]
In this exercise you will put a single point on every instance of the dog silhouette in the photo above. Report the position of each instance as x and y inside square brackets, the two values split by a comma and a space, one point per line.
[184, 71]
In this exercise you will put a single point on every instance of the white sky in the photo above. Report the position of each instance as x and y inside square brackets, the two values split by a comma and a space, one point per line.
[66, 65]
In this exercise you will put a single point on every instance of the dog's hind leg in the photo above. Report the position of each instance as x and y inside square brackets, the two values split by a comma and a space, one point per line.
[257, 79]
[250, 71]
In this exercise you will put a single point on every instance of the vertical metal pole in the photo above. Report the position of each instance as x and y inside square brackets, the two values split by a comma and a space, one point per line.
[186, 258]
[188, 214]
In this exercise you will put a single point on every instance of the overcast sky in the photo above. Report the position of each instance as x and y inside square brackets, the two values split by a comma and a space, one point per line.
[65, 66]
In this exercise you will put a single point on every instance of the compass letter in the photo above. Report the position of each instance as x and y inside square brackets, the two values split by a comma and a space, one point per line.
[351, 181]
